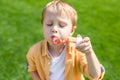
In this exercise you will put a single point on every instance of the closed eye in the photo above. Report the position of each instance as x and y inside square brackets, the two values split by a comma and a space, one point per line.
[49, 24]
[62, 25]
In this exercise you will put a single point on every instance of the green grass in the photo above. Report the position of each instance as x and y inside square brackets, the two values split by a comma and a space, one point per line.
[20, 28]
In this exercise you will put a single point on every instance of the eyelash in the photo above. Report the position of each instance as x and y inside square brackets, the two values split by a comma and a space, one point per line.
[61, 25]
[49, 24]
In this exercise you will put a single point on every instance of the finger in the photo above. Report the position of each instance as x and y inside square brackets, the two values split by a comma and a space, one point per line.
[87, 48]
[83, 45]
[86, 39]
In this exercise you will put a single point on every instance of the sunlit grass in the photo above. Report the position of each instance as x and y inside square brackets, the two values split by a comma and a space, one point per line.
[20, 28]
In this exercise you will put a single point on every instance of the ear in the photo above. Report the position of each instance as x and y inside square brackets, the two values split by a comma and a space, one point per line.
[73, 30]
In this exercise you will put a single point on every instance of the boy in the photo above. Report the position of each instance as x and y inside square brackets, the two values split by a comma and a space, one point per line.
[60, 56]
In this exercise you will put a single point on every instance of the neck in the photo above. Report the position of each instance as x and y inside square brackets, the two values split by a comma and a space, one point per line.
[56, 50]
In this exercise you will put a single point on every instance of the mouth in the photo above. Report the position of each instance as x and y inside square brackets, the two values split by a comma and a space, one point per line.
[56, 40]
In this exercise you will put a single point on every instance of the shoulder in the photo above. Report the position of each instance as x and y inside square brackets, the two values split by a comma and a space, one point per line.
[35, 48]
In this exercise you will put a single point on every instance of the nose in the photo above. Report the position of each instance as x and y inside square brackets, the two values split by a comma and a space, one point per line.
[54, 29]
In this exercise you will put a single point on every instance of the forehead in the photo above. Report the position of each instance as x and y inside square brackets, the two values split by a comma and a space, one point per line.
[59, 10]
[51, 12]
[56, 13]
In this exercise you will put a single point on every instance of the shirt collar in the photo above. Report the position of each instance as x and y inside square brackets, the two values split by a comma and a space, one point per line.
[69, 47]
[44, 48]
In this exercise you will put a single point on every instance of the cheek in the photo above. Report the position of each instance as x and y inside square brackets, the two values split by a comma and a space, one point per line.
[66, 33]
[45, 32]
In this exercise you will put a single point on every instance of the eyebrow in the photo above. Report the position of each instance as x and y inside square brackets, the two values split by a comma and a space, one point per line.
[49, 21]
[62, 20]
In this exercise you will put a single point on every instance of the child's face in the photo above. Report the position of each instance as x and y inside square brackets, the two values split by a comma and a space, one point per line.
[58, 25]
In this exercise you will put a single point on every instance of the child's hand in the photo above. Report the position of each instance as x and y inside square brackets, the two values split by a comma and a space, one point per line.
[83, 45]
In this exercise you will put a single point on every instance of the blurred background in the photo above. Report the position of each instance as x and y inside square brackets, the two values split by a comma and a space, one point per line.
[20, 28]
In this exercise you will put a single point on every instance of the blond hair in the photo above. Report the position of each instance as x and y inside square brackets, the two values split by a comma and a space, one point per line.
[60, 6]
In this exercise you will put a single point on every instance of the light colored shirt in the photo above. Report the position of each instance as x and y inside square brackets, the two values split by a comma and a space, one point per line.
[75, 62]
[57, 66]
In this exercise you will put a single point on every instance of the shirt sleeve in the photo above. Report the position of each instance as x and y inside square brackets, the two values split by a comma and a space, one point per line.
[84, 68]
[101, 75]
[31, 60]
[102, 72]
